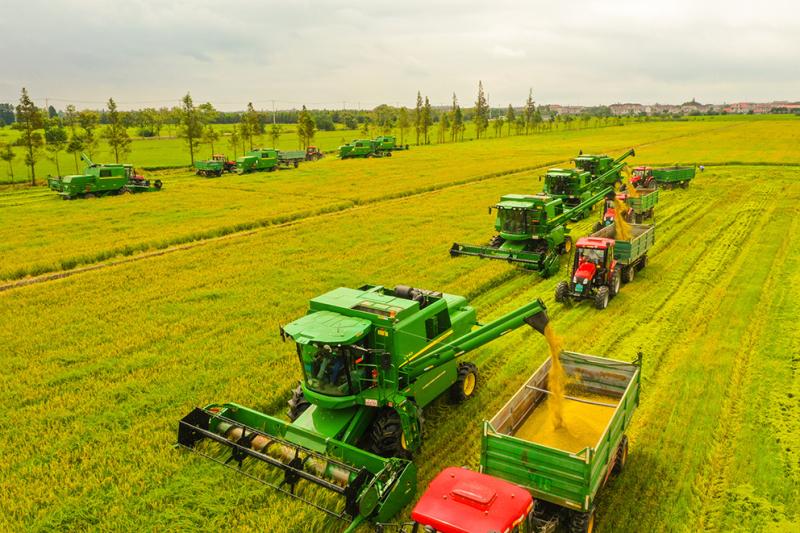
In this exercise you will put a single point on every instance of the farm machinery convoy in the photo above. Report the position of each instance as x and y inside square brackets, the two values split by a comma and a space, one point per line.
[666, 177]
[382, 146]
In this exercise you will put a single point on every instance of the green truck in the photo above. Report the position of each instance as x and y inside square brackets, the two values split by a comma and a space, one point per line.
[565, 483]
[100, 180]
[666, 177]
[269, 160]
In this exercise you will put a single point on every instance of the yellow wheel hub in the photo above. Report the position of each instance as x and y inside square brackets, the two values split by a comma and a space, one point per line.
[568, 246]
[469, 384]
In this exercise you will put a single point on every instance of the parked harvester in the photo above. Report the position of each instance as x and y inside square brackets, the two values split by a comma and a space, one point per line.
[269, 160]
[666, 177]
[214, 166]
[100, 180]
[576, 185]
[371, 360]
[603, 262]
[389, 143]
[527, 484]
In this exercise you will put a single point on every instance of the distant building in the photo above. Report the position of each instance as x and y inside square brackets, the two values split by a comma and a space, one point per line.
[626, 109]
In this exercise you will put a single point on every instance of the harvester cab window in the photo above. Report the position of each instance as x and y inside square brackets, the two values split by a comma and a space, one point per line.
[327, 368]
[514, 221]
[105, 172]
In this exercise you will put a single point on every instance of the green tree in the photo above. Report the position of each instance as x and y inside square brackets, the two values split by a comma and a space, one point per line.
[29, 121]
[444, 127]
[365, 126]
[210, 136]
[88, 121]
[233, 140]
[498, 126]
[427, 120]
[457, 119]
[403, 123]
[481, 112]
[252, 123]
[191, 125]
[418, 116]
[56, 137]
[350, 121]
[116, 134]
[511, 118]
[529, 112]
[275, 133]
[7, 154]
[51, 112]
[306, 127]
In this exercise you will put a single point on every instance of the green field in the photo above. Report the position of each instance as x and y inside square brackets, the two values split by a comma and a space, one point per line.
[100, 365]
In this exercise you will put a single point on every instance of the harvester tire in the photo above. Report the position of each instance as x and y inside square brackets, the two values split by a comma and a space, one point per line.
[601, 298]
[566, 246]
[466, 383]
[562, 291]
[616, 283]
[581, 522]
[622, 456]
[386, 435]
[496, 241]
[297, 404]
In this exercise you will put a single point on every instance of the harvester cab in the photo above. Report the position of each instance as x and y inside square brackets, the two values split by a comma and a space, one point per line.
[371, 358]
[595, 274]
[597, 165]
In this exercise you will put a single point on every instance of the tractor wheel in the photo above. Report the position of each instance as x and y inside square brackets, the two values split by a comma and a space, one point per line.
[628, 273]
[157, 184]
[297, 404]
[616, 283]
[219, 173]
[601, 298]
[581, 522]
[643, 262]
[622, 455]
[464, 387]
[296, 164]
[598, 226]
[562, 291]
[386, 435]
[388, 154]
[684, 185]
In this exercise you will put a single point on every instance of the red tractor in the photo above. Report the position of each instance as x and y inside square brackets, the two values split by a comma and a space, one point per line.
[459, 500]
[642, 178]
[595, 273]
[313, 154]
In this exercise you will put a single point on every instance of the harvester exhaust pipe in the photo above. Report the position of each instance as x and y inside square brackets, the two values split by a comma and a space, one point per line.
[538, 321]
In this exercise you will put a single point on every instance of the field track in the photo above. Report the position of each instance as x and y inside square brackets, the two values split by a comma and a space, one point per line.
[101, 365]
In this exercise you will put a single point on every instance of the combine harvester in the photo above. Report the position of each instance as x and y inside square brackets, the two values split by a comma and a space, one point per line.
[535, 477]
[371, 359]
[214, 166]
[269, 160]
[101, 180]
[363, 148]
[603, 262]
[666, 177]
[576, 185]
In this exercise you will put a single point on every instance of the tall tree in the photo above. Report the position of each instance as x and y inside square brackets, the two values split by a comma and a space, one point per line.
[306, 128]
[252, 123]
[233, 140]
[498, 126]
[403, 123]
[418, 116]
[210, 136]
[51, 112]
[444, 127]
[511, 118]
[458, 124]
[6, 114]
[88, 121]
[116, 134]
[275, 134]
[481, 112]
[191, 125]
[29, 121]
[427, 120]
[7, 154]
[56, 136]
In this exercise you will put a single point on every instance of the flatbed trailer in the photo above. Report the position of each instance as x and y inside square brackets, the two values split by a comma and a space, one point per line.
[675, 176]
[565, 483]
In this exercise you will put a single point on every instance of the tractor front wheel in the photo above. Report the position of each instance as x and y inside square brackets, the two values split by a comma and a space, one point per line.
[297, 404]
[386, 435]
[581, 522]
[466, 382]
[562, 291]
[601, 298]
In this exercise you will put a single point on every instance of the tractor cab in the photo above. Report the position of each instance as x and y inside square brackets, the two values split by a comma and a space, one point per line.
[642, 177]
[594, 258]
[459, 500]
[610, 211]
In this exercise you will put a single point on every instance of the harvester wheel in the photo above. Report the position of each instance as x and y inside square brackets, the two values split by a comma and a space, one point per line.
[297, 404]
[581, 522]
[562, 291]
[566, 247]
[684, 185]
[601, 298]
[496, 241]
[616, 282]
[386, 435]
[622, 455]
[89, 195]
[465, 384]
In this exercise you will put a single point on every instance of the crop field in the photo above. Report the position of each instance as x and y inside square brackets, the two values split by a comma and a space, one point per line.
[192, 283]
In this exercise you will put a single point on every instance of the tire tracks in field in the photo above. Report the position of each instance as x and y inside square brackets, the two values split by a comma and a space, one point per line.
[245, 229]
[711, 483]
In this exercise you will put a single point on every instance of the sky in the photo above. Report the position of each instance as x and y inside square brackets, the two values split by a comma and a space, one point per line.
[149, 53]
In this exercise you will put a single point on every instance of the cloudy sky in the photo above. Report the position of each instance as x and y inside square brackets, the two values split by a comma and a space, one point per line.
[333, 54]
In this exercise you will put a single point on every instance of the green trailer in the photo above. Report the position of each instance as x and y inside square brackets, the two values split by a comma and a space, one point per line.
[565, 483]
[643, 205]
[268, 160]
[214, 166]
[666, 177]
[389, 142]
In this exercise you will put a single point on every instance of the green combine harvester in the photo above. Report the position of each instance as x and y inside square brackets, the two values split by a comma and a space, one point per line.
[101, 180]
[371, 358]
[382, 146]
[269, 160]
[576, 185]
[389, 142]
